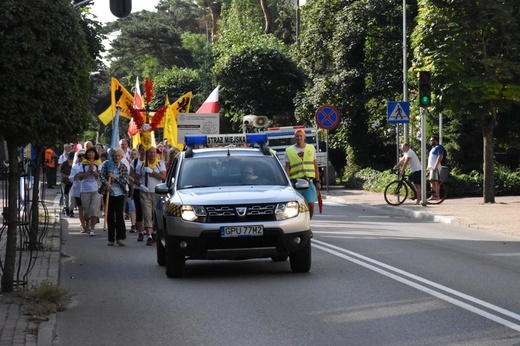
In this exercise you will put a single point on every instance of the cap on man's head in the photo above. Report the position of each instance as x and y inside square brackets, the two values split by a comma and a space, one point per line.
[300, 132]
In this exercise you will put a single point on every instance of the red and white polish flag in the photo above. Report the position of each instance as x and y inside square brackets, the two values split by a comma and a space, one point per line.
[211, 103]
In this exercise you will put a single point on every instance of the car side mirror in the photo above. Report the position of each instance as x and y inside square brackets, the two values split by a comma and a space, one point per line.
[162, 189]
[300, 184]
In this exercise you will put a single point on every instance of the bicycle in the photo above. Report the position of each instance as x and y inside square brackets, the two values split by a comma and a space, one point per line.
[397, 191]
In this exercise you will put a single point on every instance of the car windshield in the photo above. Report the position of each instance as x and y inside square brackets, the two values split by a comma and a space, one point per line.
[230, 171]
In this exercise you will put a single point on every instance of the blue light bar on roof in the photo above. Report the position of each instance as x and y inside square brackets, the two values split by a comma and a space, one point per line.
[193, 140]
[226, 139]
[256, 138]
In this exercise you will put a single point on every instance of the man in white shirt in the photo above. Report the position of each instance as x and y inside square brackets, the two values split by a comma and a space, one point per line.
[411, 159]
[67, 148]
[435, 157]
[125, 146]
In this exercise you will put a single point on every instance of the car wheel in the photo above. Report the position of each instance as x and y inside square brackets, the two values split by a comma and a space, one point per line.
[301, 259]
[281, 258]
[161, 251]
[175, 262]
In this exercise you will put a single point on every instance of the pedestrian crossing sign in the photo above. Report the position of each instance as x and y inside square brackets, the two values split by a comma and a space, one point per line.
[398, 112]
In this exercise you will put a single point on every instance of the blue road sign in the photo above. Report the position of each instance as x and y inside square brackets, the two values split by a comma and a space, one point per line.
[398, 112]
[327, 117]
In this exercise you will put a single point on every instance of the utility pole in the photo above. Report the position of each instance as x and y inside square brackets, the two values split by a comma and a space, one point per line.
[405, 68]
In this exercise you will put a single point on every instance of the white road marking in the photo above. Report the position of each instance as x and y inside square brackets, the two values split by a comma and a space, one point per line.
[365, 262]
[374, 216]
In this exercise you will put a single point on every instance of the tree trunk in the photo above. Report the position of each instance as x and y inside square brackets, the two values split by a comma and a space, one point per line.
[267, 16]
[488, 185]
[213, 20]
[12, 220]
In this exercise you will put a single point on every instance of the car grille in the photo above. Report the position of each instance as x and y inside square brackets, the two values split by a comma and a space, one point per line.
[240, 213]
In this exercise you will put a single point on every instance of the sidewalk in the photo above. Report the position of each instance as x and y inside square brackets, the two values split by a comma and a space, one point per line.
[501, 217]
[18, 329]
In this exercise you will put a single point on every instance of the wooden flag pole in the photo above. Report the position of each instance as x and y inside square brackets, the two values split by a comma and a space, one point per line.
[107, 199]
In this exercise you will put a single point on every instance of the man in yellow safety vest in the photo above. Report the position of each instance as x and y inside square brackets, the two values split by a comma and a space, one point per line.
[300, 162]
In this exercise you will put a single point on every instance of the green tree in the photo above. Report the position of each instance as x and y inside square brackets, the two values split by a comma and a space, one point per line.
[153, 40]
[257, 77]
[472, 48]
[352, 54]
[255, 71]
[174, 83]
[210, 16]
[45, 66]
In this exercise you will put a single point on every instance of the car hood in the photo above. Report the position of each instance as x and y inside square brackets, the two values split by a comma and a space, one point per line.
[237, 195]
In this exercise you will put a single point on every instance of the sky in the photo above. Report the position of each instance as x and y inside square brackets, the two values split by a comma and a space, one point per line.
[101, 8]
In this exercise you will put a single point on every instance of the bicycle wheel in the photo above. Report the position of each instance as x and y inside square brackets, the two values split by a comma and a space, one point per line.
[443, 192]
[396, 192]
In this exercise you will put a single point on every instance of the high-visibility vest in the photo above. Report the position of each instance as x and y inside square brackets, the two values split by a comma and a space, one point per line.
[49, 158]
[301, 167]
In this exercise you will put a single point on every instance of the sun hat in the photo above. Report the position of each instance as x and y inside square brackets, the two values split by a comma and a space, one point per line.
[300, 132]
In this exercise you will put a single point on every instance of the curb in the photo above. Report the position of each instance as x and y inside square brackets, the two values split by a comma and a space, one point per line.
[401, 211]
[47, 331]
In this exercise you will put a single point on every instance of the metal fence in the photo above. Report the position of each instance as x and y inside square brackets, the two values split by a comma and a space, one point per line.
[29, 239]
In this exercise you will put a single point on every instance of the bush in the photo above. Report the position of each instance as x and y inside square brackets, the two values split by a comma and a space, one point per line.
[465, 185]
[370, 180]
[507, 182]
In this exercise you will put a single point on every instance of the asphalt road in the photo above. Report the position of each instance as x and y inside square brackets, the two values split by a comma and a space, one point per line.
[376, 279]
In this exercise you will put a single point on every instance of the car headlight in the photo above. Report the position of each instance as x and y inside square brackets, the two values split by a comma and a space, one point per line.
[287, 210]
[193, 212]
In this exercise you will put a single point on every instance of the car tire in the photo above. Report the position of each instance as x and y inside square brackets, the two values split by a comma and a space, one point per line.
[301, 259]
[175, 262]
[281, 258]
[161, 251]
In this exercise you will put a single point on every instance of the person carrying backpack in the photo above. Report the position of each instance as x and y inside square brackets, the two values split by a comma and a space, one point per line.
[435, 157]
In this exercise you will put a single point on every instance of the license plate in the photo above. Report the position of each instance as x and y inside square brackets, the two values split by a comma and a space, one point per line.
[241, 231]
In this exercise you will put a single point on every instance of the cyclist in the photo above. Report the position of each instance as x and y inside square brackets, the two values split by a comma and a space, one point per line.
[437, 152]
[410, 159]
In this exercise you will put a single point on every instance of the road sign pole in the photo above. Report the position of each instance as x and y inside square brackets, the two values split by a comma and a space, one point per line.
[327, 159]
[397, 142]
[327, 117]
[424, 112]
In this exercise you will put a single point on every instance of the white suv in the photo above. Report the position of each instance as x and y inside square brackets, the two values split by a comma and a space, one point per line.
[230, 203]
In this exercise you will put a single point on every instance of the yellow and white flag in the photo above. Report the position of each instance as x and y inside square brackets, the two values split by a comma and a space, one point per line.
[120, 97]
[106, 116]
[182, 105]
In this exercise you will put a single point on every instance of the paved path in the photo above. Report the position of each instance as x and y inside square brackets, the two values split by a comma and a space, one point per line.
[16, 328]
[503, 216]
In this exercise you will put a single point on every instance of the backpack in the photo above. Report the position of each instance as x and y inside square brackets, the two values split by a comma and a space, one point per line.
[444, 161]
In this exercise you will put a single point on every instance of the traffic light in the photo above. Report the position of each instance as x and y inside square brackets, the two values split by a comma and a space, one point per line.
[120, 8]
[425, 88]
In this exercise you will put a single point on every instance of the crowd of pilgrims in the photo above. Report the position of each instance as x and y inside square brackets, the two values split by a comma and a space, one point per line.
[116, 184]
